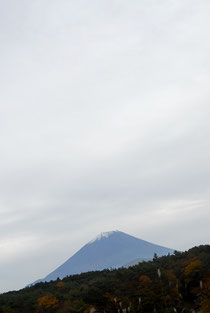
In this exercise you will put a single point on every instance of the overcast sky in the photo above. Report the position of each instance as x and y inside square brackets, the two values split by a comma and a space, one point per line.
[104, 125]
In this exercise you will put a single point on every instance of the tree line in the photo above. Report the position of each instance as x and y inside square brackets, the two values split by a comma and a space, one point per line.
[178, 283]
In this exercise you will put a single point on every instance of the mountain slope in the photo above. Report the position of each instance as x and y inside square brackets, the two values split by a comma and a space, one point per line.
[136, 262]
[184, 286]
[108, 250]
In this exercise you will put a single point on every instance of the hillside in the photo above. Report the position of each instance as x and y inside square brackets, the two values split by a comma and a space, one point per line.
[173, 283]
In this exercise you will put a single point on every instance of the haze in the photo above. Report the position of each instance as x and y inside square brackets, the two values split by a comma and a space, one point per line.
[104, 125]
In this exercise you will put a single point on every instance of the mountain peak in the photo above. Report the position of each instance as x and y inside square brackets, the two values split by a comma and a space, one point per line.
[103, 235]
[110, 249]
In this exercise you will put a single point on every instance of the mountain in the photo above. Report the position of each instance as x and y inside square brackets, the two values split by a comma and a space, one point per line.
[183, 286]
[136, 261]
[108, 250]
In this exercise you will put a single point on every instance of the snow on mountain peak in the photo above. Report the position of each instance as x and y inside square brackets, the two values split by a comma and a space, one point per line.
[103, 235]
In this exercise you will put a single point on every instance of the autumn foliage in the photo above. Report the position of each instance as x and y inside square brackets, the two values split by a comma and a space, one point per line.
[48, 302]
[178, 283]
[193, 268]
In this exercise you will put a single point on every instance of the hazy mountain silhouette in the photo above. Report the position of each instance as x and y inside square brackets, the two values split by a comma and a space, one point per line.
[108, 250]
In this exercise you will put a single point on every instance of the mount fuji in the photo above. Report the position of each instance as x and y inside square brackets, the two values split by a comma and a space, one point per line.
[108, 250]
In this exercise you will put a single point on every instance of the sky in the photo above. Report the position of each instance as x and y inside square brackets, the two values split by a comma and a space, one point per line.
[104, 125]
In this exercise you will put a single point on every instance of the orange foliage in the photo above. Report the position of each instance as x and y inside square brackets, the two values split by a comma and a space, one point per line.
[207, 283]
[206, 305]
[48, 302]
[145, 279]
[112, 298]
[193, 268]
[171, 276]
[60, 284]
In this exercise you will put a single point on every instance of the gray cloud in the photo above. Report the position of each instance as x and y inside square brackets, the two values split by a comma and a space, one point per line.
[104, 124]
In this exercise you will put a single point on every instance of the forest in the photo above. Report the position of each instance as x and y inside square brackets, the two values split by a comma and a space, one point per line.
[178, 283]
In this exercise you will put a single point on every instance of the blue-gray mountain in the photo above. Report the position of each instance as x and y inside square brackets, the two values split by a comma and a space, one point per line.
[108, 250]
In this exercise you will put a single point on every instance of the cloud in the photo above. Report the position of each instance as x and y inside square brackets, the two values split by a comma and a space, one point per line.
[104, 124]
